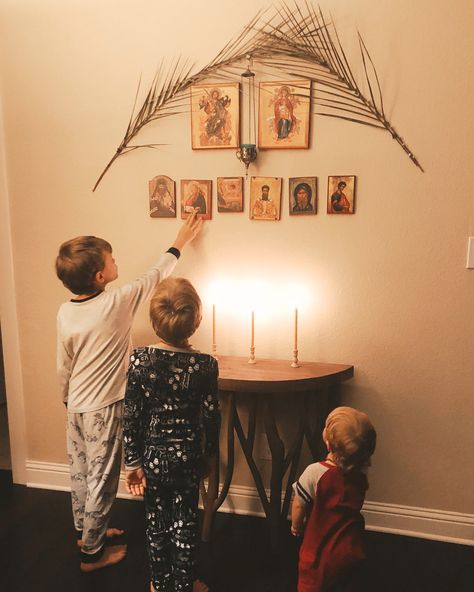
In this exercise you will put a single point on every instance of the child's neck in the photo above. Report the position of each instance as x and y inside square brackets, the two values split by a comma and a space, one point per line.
[78, 297]
[100, 287]
[166, 345]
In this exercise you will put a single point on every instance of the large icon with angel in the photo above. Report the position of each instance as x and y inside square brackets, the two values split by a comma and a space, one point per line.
[215, 116]
[284, 114]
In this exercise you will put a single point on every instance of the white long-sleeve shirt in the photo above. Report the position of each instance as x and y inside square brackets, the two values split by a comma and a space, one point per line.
[94, 342]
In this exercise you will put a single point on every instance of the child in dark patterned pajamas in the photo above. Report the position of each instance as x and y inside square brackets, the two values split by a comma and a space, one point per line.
[93, 350]
[170, 404]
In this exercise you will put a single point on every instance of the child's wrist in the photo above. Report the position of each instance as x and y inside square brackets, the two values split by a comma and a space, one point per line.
[174, 250]
[179, 243]
[296, 529]
[131, 469]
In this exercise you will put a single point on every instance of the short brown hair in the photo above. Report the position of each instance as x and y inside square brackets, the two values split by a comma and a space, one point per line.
[78, 262]
[351, 438]
[175, 310]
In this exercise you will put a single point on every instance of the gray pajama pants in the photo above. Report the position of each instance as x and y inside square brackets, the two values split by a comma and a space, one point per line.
[94, 446]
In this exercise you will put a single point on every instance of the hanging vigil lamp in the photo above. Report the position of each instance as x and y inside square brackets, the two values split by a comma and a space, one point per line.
[247, 153]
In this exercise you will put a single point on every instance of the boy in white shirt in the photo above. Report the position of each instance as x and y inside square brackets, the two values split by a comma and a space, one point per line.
[94, 345]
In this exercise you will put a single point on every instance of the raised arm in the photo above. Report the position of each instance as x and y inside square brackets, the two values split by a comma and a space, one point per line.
[188, 231]
[135, 293]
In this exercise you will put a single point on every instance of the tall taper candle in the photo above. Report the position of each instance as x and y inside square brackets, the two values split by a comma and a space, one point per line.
[213, 324]
[296, 329]
[252, 340]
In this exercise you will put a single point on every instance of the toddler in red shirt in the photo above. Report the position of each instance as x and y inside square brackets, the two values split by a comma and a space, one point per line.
[327, 505]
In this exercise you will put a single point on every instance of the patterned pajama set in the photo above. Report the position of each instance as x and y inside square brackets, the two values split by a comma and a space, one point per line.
[170, 404]
[92, 359]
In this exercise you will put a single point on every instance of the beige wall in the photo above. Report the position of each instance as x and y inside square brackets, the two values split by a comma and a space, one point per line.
[391, 292]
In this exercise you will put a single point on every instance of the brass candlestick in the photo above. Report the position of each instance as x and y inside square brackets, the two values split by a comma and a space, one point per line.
[252, 355]
[294, 363]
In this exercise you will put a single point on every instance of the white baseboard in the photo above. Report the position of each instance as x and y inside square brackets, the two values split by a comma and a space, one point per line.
[426, 523]
[439, 525]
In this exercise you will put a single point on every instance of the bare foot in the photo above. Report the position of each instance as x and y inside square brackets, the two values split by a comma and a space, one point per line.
[109, 534]
[111, 556]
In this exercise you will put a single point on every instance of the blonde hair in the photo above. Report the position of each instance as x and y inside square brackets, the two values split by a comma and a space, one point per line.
[175, 311]
[79, 260]
[350, 437]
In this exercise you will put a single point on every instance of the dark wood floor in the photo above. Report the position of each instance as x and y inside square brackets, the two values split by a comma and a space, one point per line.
[38, 553]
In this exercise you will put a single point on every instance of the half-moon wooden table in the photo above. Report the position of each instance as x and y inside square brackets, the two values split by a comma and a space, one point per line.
[315, 387]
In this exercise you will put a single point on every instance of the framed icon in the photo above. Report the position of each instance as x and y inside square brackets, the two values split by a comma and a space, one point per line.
[196, 196]
[162, 197]
[265, 198]
[303, 196]
[284, 114]
[230, 194]
[341, 194]
[215, 116]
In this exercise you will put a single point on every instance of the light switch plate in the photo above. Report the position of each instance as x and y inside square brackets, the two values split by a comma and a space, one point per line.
[470, 253]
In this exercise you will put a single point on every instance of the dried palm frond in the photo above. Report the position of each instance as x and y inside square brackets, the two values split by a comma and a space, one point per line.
[167, 95]
[297, 41]
[306, 45]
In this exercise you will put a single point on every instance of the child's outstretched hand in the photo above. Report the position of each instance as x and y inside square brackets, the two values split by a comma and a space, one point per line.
[135, 481]
[188, 231]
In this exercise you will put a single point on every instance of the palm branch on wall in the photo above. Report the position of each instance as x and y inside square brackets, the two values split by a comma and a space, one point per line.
[296, 40]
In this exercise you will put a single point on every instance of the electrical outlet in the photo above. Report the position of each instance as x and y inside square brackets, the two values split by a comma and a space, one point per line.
[264, 448]
[470, 253]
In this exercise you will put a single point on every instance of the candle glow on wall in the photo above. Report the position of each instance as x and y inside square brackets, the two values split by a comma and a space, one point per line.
[268, 299]
[273, 304]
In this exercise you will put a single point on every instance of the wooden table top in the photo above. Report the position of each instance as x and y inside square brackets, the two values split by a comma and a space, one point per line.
[277, 376]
